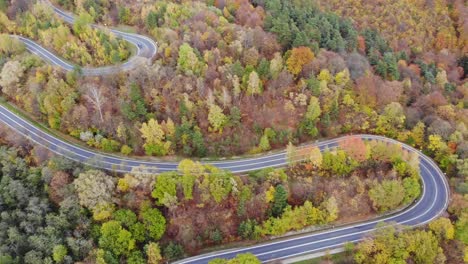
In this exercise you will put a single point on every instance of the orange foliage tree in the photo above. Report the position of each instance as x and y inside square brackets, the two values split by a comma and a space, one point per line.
[355, 148]
[299, 57]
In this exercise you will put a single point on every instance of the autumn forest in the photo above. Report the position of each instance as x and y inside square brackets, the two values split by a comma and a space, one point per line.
[233, 78]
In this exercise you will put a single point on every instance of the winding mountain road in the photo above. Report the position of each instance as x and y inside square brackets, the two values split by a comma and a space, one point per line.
[432, 203]
[146, 48]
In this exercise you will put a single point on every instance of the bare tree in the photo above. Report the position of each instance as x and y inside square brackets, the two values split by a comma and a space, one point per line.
[94, 95]
[226, 98]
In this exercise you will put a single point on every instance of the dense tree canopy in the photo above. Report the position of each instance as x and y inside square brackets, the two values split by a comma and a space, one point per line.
[234, 77]
[32, 228]
[389, 247]
[301, 23]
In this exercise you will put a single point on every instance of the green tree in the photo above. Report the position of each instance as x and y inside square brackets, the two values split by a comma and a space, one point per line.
[3, 5]
[338, 163]
[312, 116]
[461, 228]
[125, 216]
[116, 239]
[387, 195]
[412, 189]
[154, 222]
[190, 171]
[264, 144]
[152, 20]
[244, 259]
[198, 143]
[217, 118]
[138, 231]
[220, 186]
[6, 259]
[109, 145]
[217, 236]
[173, 251]
[124, 15]
[280, 201]
[247, 229]
[82, 23]
[166, 185]
[302, 23]
[59, 253]
[188, 61]
[235, 116]
[136, 257]
[391, 67]
[135, 108]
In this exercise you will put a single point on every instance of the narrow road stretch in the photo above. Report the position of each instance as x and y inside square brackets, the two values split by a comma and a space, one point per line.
[146, 48]
[432, 203]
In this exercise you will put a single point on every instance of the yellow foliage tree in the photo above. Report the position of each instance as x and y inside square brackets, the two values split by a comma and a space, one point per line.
[270, 194]
[316, 157]
[216, 118]
[152, 132]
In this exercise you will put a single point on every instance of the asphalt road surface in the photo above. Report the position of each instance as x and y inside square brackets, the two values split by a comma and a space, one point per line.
[146, 48]
[432, 203]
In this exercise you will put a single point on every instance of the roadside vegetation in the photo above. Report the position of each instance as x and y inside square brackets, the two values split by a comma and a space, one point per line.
[235, 77]
[79, 43]
[398, 244]
[229, 79]
[86, 214]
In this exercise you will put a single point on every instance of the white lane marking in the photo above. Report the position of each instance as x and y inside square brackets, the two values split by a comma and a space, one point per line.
[349, 227]
[123, 161]
[44, 53]
[49, 56]
[74, 151]
[119, 162]
[73, 154]
[321, 144]
[301, 237]
[233, 161]
[419, 224]
[314, 250]
[371, 229]
[72, 146]
[134, 39]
